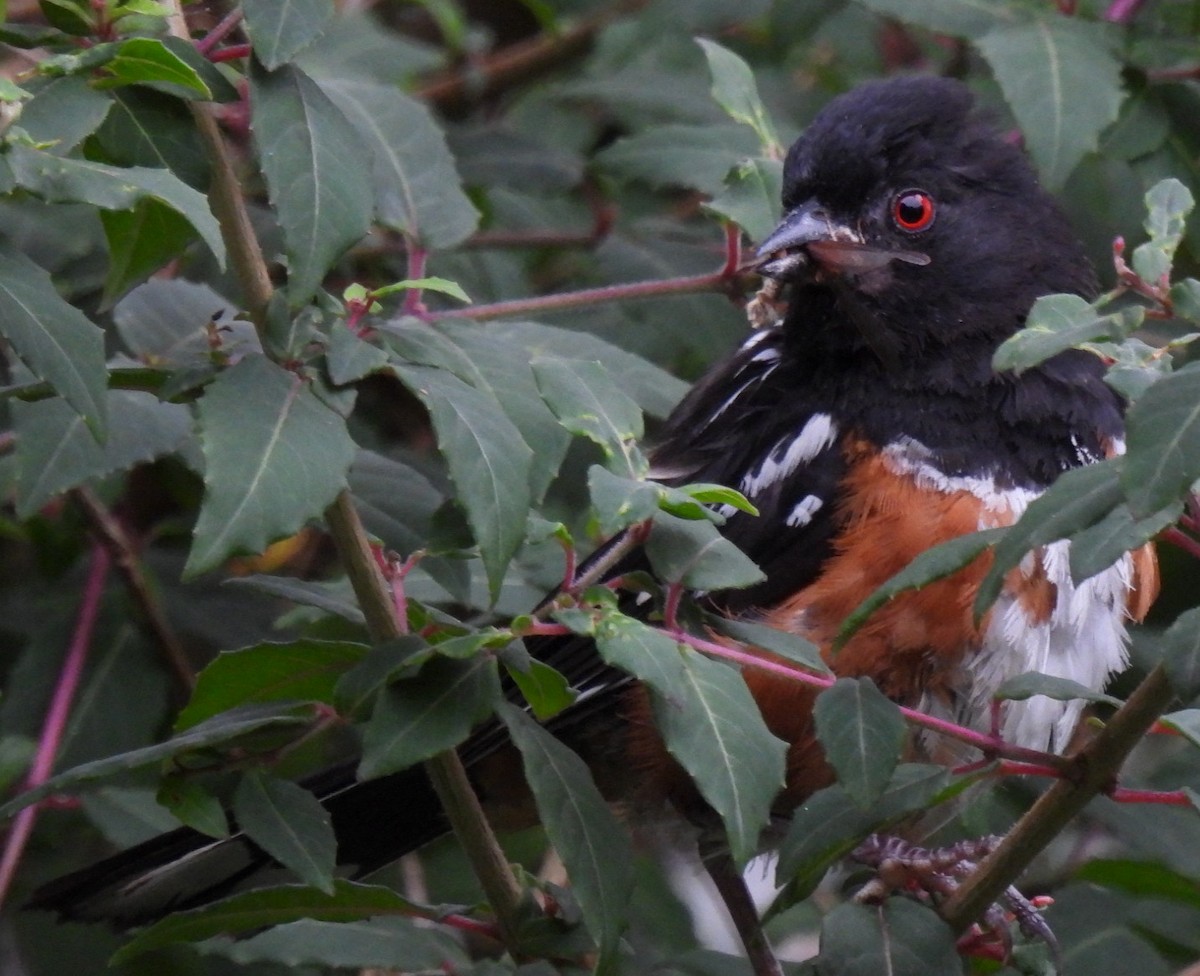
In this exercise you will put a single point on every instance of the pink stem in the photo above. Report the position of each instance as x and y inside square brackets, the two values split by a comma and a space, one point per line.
[1181, 540]
[58, 714]
[1122, 11]
[413, 305]
[1174, 798]
[223, 29]
[235, 52]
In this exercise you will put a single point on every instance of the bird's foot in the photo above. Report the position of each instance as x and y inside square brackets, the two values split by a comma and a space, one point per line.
[932, 874]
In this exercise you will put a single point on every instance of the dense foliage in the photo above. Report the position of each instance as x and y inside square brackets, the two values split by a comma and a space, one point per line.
[193, 438]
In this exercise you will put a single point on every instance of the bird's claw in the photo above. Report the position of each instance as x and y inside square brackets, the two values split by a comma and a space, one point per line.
[933, 874]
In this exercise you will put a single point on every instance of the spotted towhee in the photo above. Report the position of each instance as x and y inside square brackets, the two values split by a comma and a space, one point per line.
[865, 426]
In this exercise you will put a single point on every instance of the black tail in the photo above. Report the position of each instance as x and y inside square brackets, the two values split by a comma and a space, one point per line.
[375, 823]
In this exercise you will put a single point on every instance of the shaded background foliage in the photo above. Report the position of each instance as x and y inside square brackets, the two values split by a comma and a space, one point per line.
[518, 149]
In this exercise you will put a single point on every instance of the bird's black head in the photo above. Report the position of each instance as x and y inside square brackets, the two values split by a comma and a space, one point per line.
[918, 221]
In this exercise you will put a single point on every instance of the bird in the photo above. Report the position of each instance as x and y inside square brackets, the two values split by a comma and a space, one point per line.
[865, 423]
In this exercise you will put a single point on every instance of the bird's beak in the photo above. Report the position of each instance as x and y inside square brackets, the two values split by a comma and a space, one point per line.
[807, 237]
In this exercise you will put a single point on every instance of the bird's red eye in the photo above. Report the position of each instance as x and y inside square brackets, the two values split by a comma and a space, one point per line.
[913, 210]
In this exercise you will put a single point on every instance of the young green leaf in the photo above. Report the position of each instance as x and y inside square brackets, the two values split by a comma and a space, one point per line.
[1168, 203]
[275, 456]
[193, 805]
[55, 340]
[862, 733]
[751, 196]
[545, 689]
[1055, 323]
[593, 846]
[290, 824]
[734, 89]
[316, 168]
[147, 61]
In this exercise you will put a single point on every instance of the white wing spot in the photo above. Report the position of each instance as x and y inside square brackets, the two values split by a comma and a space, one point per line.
[804, 511]
[816, 436]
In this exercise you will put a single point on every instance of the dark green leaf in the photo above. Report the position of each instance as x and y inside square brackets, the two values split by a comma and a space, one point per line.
[419, 717]
[275, 456]
[290, 824]
[588, 403]
[147, 128]
[962, 18]
[217, 731]
[147, 61]
[1142, 878]
[281, 29]
[1062, 83]
[791, 646]
[55, 340]
[933, 564]
[383, 664]
[697, 555]
[252, 910]
[416, 186]
[1080, 498]
[1181, 654]
[1163, 428]
[862, 733]
[64, 113]
[303, 670]
[375, 943]
[899, 937]
[592, 844]
[751, 196]
[692, 156]
[316, 167]
[1096, 549]
[58, 180]
[55, 451]
[350, 358]
[648, 654]
[1032, 683]
[140, 241]
[1168, 204]
[170, 322]
[621, 502]
[488, 460]
[717, 733]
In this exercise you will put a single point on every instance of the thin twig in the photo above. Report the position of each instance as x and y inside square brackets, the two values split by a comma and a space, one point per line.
[124, 553]
[58, 714]
[227, 25]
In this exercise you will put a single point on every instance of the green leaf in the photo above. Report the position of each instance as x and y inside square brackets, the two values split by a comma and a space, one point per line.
[829, 824]
[301, 670]
[1058, 322]
[899, 937]
[64, 113]
[442, 285]
[1163, 430]
[588, 404]
[672, 155]
[419, 717]
[1168, 203]
[718, 735]
[1181, 654]
[1186, 722]
[697, 555]
[193, 805]
[316, 168]
[350, 358]
[275, 457]
[751, 196]
[592, 844]
[401, 944]
[253, 910]
[417, 189]
[147, 61]
[648, 654]
[1080, 498]
[621, 502]
[1062, 83]
[140, 241]
[147, 128]
[171, 322]
[935, 563]
[56, 452]
[55, 340]
[735, 91]
[1031, 683]
[217, 731]
[290, 824]
[960, 18]
[281, 29]
[361, 686]
[58, 180]
[488, 460]
[862, 733]
[1095, 549]
[793, 647]
[545, 689]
